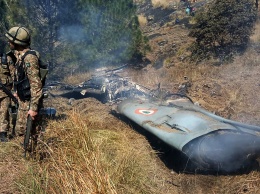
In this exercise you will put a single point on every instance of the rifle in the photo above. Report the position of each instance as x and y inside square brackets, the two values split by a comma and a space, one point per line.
[9, 93]
[29, 120]
[2, 86]
[12, 109]
[29, 123]
[30, 136]
[27, 135]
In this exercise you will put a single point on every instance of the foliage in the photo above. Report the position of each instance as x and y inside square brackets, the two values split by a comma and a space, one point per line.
[14, 13]
[111, 32]
[223, 28]
[80, 34]
[2, 23]
[45, 20]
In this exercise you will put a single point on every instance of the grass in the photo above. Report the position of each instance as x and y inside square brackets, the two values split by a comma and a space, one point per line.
[164, 3]
[142, 20]
[82, 156]
[12, 166]
[90, 151]
[256, 36]
[79, 78]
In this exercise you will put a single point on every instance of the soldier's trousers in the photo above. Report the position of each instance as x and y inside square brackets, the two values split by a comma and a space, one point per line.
[4, 114]
[21, 120]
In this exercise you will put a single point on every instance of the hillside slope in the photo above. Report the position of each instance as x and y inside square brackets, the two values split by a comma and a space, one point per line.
[229, 90]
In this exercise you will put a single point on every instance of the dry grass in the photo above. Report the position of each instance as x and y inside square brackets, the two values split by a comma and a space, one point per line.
[164, 3]
[142, 20]
[90, 151]
[220, 184]
[77, 78]
[256, 36]
[17, 175]
[139, 1]
[82, 156]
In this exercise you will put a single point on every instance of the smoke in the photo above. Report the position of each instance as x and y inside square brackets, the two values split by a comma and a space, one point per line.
[71, 34]
[101, 37]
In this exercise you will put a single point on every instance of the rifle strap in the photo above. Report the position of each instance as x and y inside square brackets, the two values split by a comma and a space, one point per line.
[42, 68]
[32, 52]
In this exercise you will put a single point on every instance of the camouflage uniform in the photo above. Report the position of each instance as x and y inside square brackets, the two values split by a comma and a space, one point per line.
[6, 80]
[31, 69]
[27, 82]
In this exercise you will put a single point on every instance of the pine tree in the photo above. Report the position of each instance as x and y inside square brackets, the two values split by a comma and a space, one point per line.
[2, 23]
[223, 28]
[112, 31]
[81, 34]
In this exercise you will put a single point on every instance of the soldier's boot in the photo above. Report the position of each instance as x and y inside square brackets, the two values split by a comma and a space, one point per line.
[3, 137]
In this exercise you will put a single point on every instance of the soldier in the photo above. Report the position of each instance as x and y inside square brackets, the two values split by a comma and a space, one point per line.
[27, 81]
[6, 63]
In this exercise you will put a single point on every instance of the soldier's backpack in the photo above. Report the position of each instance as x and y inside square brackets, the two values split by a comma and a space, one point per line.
[22, 82]
[43, 67]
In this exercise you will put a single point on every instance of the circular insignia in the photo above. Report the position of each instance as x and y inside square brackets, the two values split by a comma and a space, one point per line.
[146, 112]
[29, 71]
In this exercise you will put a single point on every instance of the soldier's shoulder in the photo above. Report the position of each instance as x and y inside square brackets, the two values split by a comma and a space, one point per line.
[31, 54]
[31, 57]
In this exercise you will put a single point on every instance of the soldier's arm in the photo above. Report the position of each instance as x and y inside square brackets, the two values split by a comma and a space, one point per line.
[11, 66]
[33, 73]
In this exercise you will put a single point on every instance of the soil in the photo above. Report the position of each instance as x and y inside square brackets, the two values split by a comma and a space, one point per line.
[230, 90]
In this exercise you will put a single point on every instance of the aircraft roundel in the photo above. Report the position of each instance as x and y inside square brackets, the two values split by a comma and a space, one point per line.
[146, 112]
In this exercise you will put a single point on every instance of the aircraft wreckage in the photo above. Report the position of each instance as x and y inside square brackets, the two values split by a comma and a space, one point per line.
[211, 143]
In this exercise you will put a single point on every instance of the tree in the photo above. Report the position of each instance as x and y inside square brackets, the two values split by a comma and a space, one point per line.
[2, 23]
[81, 34]
[112, 33]
[15, 13]
[47, 17]
[223, 28]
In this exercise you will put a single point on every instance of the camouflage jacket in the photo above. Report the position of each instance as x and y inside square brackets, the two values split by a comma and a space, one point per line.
[5, 74]
[32, 71]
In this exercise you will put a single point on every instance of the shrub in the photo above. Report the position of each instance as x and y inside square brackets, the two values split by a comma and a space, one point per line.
[223, 28]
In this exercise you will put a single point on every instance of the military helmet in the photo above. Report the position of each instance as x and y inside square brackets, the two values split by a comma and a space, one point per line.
[19, 35]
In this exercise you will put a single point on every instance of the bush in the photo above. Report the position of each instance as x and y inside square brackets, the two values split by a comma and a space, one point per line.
[223, 28]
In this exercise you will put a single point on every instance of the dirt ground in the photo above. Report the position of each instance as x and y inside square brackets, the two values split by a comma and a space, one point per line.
[230, 90]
